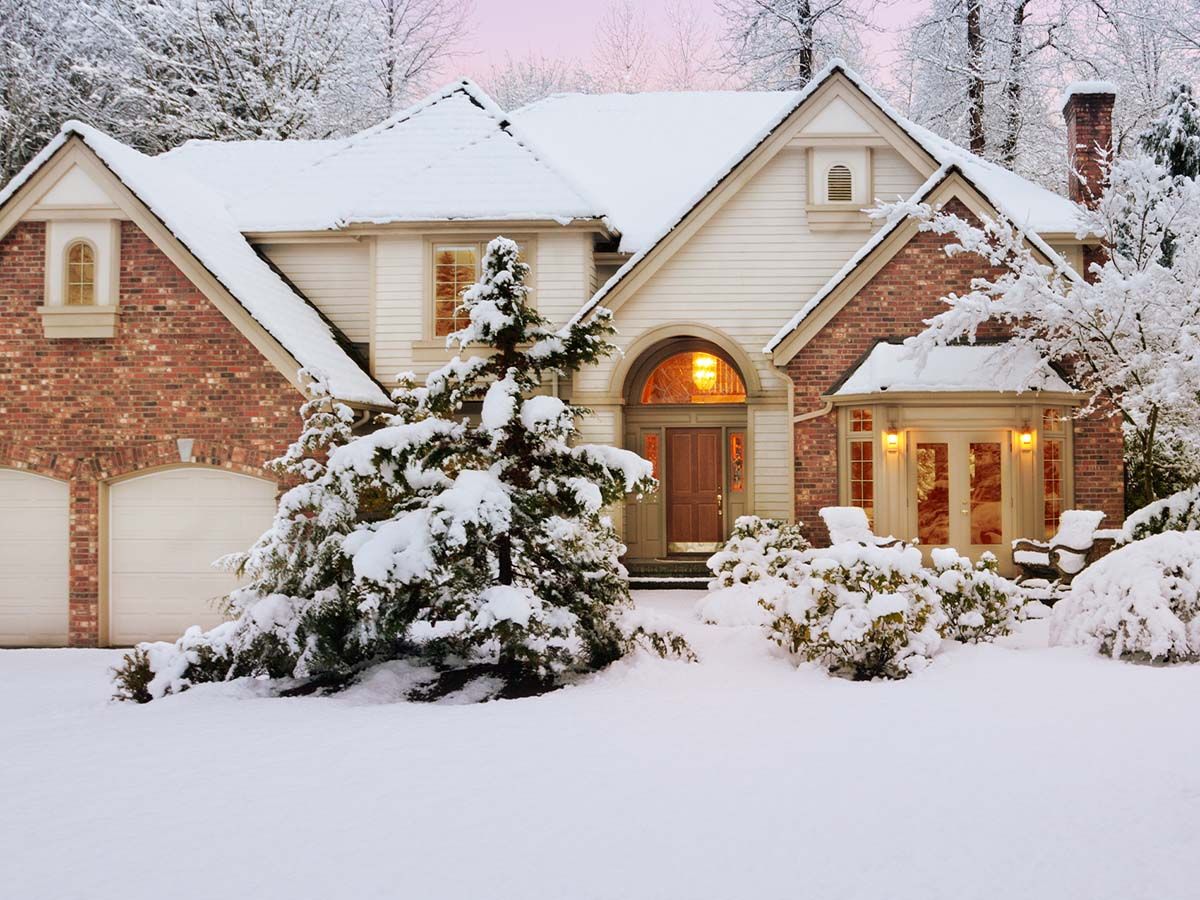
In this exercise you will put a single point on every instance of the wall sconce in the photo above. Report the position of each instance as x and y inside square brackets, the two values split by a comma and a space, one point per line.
[1026, 438]
[891, 439]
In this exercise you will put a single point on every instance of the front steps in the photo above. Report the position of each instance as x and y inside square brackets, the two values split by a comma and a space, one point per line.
[676, 572]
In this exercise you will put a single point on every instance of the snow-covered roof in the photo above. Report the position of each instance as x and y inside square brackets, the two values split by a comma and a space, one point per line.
[201, 222]
[981, 367]
[237, 169]
[453, 156]
[652, 157]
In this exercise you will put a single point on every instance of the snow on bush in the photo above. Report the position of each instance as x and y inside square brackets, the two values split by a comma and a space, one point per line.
[1179, 512]
[1141, 602]
[979, 603]
[761, 559]
[756, 549]
[862, 612]
[478, 548]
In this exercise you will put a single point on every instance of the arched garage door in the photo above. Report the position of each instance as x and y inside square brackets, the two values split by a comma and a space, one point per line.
[165, 529]
[33, 560]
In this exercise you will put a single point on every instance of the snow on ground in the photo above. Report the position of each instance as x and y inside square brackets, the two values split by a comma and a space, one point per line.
[1002, 771]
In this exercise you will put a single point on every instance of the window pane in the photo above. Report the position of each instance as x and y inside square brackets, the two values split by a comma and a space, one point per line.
[80, 285]
[650, 451]
[1052, 486]
[737, 462]
[455, 269]
[1052, 420]
[860, 420]
[862, 478]
[694, 377]
[933, 494]
[986, 494]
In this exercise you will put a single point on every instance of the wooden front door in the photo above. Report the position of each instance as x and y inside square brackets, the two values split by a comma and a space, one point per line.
[694, 485]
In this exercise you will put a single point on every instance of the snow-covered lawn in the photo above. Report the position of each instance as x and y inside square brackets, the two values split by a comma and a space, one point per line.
[1010, 771]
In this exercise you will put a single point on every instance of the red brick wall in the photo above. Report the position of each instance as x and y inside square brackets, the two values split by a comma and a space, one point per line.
[894, 304]
[88, 410]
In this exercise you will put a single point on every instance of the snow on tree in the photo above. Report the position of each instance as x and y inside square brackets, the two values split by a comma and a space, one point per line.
[1173, 138]
[400, 47]
[689, 55]
[979, 72]
[779, 44]
[624, 54]
[533, 77]
[477, 544]
[1129, 337]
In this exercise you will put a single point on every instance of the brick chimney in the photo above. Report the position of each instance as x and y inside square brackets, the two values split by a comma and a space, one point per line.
[1088, 109]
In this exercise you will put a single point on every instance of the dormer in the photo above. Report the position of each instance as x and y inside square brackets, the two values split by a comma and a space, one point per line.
[83, 247]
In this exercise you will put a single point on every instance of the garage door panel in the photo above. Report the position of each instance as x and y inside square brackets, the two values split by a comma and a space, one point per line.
[34, 523]
[165, 531]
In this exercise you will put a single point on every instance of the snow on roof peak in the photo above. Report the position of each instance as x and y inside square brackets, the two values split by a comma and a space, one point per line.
[1002, 367]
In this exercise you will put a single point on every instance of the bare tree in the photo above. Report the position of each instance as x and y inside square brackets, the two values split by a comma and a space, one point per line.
[689, 58]
[522, 81]
[404, 42]
[624, 54]
[779, 44]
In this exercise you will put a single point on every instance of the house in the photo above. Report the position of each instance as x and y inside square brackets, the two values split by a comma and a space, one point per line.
[155, 313]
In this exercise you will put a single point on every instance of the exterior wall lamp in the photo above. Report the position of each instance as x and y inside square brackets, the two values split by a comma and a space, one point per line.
[1026, 437]
[891, 439]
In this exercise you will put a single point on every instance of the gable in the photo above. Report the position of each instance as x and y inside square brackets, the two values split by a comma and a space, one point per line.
[76, 189]
[837, 117]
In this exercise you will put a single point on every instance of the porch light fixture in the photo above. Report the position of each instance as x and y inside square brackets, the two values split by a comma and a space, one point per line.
[704, 371]
[891, 439]
[1026, 437]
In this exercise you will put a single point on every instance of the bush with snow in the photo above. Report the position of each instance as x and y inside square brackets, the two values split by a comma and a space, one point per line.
[1179, 512]
[758, 548]
[1141, 602]
[862, 612]
[979, 603]
[479, 547]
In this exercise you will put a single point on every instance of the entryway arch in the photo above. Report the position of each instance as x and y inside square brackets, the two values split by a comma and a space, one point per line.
[685, 403]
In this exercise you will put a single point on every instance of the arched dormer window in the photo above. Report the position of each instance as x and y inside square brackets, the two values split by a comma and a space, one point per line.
[80, 281]
[839, 185]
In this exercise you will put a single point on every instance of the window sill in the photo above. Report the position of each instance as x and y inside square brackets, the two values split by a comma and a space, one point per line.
[99, 321]
[838, 217]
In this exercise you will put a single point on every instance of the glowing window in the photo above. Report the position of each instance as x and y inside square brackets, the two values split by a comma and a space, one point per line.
[694, 377]
[861, 420]
[81, 274]
[1052, 420]
[840, 185]
[862, 478]
[455, 268]
[1052, 486]
[737, 462]
[650, 451]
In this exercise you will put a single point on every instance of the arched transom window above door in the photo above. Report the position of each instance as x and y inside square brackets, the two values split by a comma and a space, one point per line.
[693, 376]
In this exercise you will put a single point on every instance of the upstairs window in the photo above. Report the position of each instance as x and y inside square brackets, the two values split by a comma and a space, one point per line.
[457, 266]
[80, 280]
[839, 187]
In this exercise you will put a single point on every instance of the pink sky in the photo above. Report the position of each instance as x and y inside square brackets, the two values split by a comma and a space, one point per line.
[564, 28]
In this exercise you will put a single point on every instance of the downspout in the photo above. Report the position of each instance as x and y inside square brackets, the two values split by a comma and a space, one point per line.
[824, 409]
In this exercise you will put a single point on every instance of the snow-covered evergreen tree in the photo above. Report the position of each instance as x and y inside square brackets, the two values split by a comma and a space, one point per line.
[477, 543]
[1173, 138]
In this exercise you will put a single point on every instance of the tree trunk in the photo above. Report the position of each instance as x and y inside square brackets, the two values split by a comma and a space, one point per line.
[1013, 87]
[975, 76]
[804, 56]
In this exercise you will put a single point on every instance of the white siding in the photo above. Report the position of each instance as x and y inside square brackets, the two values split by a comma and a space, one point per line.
[399, 303]
[772, 463]
[563, 273]
[751, 266]
[335, 277]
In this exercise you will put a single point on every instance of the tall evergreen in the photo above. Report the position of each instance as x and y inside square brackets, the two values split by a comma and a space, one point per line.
[475, 542]
[1173, 138]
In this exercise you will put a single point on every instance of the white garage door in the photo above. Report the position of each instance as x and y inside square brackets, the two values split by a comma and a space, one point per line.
[33, 560]
[165, 529]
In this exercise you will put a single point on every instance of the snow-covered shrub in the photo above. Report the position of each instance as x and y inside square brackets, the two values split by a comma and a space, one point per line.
[1179, 512]
[756, 549]
[862, 612]
[1140, 602]
[979, 603]
[479, 546]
